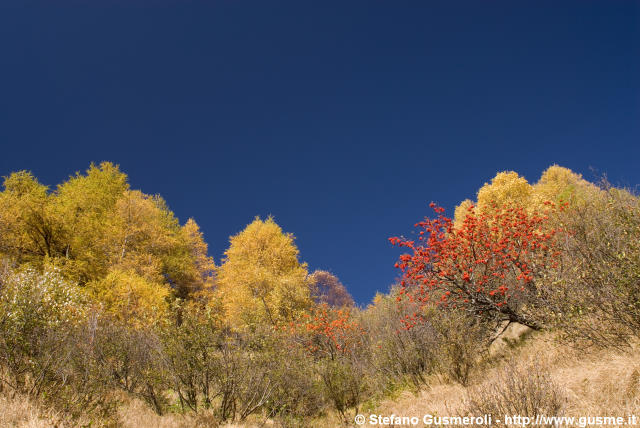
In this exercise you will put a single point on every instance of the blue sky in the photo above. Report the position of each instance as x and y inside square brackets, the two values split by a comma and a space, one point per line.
[341, 119]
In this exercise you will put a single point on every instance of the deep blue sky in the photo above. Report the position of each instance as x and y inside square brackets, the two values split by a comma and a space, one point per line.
[342, 119]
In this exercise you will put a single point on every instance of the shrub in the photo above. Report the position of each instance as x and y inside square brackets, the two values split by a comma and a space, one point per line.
[35, 309]
[128, 358]
[335, 343]
[238, 374]
[43, 344]
[444, 341]
[398, 355]
[462, 342]
[599, 290]
[344, 380]
[298, 393]
[192, 344]
[525, 390]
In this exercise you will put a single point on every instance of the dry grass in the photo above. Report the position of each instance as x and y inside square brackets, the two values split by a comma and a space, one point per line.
[597, 383]
[21, 412]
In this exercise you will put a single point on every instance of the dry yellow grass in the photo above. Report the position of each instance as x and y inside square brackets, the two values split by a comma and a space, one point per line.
[597, 383]
[21, 412]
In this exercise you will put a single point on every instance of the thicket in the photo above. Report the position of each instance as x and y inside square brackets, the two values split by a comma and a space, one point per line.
[105, 295]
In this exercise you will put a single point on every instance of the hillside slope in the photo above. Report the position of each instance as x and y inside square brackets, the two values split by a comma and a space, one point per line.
[594, 383]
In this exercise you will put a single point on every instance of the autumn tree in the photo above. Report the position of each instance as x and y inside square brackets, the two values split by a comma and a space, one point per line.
[327, 288]
[86, 204]
[561, 185]
[261, 279]
[330, 331]
[30, 229]
[131, 298]
[99, 232]
[505, 188]
[193, 270]
[557, 184]
[495, 265]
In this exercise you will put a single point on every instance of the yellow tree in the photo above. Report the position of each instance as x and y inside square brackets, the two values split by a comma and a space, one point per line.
[144, 235]
[131, 298]
[505, 188]
[94, 226]
[195, 269]
[30, 230]
[86, 207]
[261, 279]
[559, 184]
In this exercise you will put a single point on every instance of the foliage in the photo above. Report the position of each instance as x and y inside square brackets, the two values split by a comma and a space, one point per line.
[332, 332]
[506, 188]
[556, 184]
[261, 280]
[130, 298]
[462, 343]
[31, 230]
[345, 383]
[128, 358]
[599, 290]
[93, 227]
[561, 185]
[494, 266]
[446, 341]
[33, 307]
[43, 344]
[398, 355]
[104, 295]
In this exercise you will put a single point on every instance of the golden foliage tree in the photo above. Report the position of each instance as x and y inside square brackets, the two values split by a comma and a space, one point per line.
[131, 298]
[195, 269]
[86, 207]
[560, 185]
[99, 232]
[30, 230]
[505, 188]
[261, 279]
[557, 184]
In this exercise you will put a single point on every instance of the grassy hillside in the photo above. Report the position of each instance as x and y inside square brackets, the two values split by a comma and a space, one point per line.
[596, 383]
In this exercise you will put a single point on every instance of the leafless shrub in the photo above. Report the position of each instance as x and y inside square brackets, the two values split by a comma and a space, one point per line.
[524, 390]
[463, 341]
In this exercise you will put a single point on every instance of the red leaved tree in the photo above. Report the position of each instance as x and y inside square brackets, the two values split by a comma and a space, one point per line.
[495, 264]
[329, 332]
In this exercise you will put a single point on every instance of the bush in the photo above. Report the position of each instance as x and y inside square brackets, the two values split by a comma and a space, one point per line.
[397, 355]
[345, 383]
[598, 290]
[335, 345]
[43, 344]
[128, 358]
[444, 341]
[191, 347]
[238, 374]
[298, 393]
[525, 390]
[463, 340]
